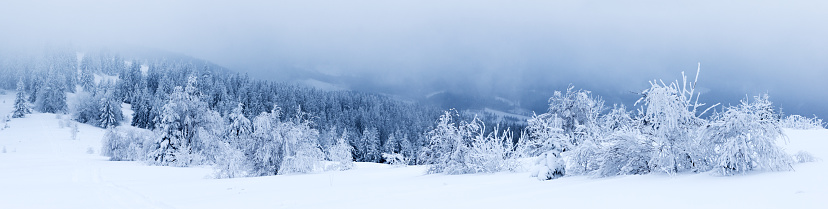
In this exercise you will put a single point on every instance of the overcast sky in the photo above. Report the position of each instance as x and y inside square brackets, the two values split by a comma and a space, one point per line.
[492, 47]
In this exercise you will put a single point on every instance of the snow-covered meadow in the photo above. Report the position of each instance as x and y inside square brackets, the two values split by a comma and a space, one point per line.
[41, 166]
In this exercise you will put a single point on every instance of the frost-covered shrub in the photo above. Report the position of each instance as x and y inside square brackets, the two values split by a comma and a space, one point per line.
[126, 144]
[544, 133]
[627, 154]
[670, 120]
[745, 138]
[584, 159]
[231, 163]
[579, 111]
[301, 153]
[802, 123]
[491, 153]
[564, 137]
[548, 166]
[618, 119]
[804, 157]
[462, 148]
[394, 159]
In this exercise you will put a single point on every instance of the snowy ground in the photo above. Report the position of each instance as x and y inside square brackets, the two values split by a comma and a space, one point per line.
[42, 167]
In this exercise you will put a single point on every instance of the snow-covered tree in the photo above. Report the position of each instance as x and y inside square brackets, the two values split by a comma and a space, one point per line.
[239, 127]
[51, 96]
[579, 111]
[110, 112]
[266, 147]
[340, 153]
[572, 124]
[126, 143]
[544, 133]
[443, 142]
[618, 119]
[144, 110]
[669, 118]
[231, 163]
[21, 108]
[545, 139]
[744, 138]
[179, 124]
[369, 144]
[87, 79]
[461, 148]
[301, 146]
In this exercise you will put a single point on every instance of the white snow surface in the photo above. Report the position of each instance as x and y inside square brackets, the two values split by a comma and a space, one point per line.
[44, 168]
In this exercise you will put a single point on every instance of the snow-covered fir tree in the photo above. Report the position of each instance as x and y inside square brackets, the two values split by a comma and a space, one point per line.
[110, 112]
[21, 107]
[179, 125]
[369, 144]
[239, 127]
[51, 97]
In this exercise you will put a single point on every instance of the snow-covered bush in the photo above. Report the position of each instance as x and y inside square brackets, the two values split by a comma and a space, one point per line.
[301, 147]
[231, 163]
[804, 157]
[462, 148]
[584, 159]
[745, 138]
[802, 122]
[340, 153]
[73, 130]
[548, 166]
[627, 154]
[579, 111]
[544, 133]
[618, 119]
[126, 144]
[492, 153]
[395, 159]
[670, 121]
[564, 137]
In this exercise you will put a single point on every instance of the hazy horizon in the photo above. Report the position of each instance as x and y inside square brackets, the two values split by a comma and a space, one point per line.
[495, 48]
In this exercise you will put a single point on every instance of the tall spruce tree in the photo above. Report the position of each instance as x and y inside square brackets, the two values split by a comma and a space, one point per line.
[20, 106]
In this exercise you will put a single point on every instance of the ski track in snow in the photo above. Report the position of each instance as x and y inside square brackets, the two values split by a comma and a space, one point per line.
[44, 168]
